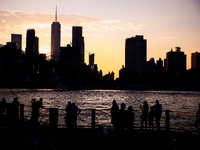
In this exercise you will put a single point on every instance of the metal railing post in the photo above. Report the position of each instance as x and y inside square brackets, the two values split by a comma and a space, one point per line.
[167, 119]
[93, 118]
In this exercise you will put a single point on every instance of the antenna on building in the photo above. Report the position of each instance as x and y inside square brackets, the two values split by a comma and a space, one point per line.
[56, 15]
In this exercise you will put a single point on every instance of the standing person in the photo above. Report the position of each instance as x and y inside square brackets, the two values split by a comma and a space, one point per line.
[130, 118]
[35, 111]
[68, 118]
[2, 107]
[144, 116]
[15, 107]
[198, 119]
[114, 113]
[40, 103]
[158, 113]
[151, 117]
[75, 111]
[122, 118]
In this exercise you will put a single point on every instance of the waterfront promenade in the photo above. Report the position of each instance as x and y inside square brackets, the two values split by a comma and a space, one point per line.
[21, 134]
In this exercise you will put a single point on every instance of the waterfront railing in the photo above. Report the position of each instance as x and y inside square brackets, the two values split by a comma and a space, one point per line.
[92, 118]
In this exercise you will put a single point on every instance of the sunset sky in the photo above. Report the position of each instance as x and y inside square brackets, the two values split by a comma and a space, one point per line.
[106, 24]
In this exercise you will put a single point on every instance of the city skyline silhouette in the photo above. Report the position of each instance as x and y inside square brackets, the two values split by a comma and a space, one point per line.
[168, 27]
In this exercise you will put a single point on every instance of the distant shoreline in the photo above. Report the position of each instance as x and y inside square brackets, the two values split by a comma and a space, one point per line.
[114, 87]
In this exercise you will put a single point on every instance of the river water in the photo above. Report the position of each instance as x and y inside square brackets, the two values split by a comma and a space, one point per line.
[179, 101]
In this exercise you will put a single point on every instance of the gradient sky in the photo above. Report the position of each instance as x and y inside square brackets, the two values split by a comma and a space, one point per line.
[106, 24]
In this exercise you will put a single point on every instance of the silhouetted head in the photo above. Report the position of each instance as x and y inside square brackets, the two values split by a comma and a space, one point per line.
[41, 99]
[16, 99]
[69, 103]
[130, 108]
[33, 100]
[73, 104]
[123, 105]
[3, 100]
[114, 102]
[157, 101]
[145, 103]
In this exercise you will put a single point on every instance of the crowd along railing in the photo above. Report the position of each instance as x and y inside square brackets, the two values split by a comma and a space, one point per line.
[54, 117]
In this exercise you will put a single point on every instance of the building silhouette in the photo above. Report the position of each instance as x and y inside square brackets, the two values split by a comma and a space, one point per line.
[70, 58]
[159, 64]
[17, 38]
[30, 42]
[109, 77]
[175, 61]
[150, 65]
[135, 54]
[195, 60]
[55, 39]
[91, 61]
[36, 47]
[78, 40]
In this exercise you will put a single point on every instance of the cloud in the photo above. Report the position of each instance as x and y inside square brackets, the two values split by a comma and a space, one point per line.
[12, 21]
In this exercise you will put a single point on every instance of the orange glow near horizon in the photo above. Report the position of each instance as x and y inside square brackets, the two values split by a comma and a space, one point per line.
[164, 24]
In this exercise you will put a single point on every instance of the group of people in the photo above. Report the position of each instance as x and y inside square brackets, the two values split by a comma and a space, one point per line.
[36, 105]
[11, 109]
[155, 112]
[124, 119]
[72, 111]
[121, 118]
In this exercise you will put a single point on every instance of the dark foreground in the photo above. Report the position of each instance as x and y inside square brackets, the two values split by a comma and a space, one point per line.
[43, 138]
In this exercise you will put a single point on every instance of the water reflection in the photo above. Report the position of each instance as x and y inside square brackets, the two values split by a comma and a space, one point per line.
[185, 101]
[173, 100]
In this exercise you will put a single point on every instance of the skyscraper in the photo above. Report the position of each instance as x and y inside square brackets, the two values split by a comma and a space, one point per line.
[55, 39]
[159, 64]
[17, 38]
[30, 41]
[175, 61]
[36, 47]
[91, 61]
[135, 54]
[78, 40]
[195, 60]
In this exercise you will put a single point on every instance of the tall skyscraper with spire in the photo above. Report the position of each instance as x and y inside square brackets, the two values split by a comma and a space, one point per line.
[55, 39]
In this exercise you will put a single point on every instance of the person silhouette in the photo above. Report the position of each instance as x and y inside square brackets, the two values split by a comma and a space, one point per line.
[2, 107]
[40, 103]
[35, 110]
[114, 113]
[75, 111]
[151, 117]
[197, 121]
[130, 118]
[158, 113]
[144, 116]
[68, 118]
[122, 118]
[15, 108]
